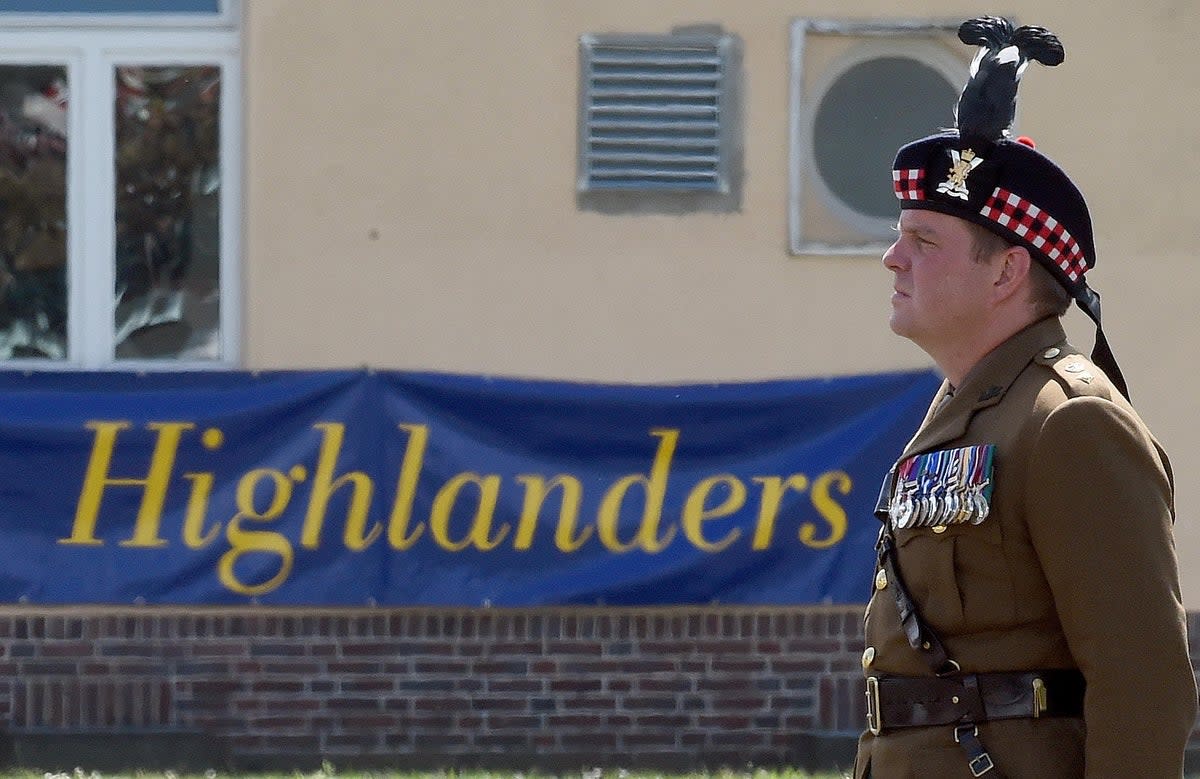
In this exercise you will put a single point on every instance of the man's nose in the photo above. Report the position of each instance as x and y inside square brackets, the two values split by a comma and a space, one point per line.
[893, 258]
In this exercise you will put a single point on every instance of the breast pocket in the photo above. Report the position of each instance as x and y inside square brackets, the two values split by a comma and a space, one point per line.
[958, 577]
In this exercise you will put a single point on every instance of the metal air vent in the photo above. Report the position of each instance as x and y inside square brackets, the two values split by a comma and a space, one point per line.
[653, 113]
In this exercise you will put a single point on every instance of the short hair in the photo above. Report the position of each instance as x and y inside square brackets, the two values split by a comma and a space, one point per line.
[1048, 296]
[986, 243]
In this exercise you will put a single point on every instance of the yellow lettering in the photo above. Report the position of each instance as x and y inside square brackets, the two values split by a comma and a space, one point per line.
[406, 488]
[655, 486]
[97, 478]
[324, 485]
[695, 512]
[194, 536]
[829, 509]
[248, 541]
[536, 491]
[443, 503]
[193, 522]
[773, 491]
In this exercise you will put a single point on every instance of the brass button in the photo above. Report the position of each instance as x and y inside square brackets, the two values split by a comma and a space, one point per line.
[881, 579]
[868, 657]
[939, 529]
[1051, 353]
[954, 699]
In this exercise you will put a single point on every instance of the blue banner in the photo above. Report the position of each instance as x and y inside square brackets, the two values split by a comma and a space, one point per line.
[353, 488]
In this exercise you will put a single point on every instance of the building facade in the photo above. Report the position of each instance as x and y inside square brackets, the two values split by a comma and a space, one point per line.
[685, 191]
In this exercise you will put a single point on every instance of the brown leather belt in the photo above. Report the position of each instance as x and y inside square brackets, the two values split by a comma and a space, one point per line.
[918, 701]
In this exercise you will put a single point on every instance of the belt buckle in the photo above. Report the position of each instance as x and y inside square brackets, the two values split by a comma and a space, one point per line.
[874, 713]
[981, 765]
[978, 760]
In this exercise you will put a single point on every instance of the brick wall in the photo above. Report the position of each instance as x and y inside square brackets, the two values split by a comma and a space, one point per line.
[548, 688]
[552, 688]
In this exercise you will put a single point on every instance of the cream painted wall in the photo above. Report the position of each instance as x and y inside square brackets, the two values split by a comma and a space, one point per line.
[410, 203]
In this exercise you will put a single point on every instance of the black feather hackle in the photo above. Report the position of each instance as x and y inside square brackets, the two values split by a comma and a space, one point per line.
[988, 103]
[992, 31]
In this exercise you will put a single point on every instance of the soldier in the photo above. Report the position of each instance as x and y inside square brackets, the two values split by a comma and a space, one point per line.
[1026, 617]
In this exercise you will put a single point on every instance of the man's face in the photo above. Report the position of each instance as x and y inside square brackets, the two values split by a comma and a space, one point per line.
[940, 292]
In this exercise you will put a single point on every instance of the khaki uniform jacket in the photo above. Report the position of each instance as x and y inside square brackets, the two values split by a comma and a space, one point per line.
[1074, 567]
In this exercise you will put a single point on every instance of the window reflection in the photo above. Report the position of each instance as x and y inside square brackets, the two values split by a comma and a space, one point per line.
[33, 215]
[167, 205]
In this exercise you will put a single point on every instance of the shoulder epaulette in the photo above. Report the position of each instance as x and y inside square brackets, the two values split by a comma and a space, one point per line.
[1076, 373]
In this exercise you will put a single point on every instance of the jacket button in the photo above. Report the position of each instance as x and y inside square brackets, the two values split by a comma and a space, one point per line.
[938, 529]
[1051, 353]
[868, 657]
[881, 579]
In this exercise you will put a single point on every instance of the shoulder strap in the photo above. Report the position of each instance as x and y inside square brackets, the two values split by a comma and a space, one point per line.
[920, 636]
[926, 642]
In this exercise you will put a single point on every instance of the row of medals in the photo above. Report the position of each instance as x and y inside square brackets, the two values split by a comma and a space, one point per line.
[942, 488]
[908, 509]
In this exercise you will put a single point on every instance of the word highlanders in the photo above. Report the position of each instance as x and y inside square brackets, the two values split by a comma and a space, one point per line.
[462, 515]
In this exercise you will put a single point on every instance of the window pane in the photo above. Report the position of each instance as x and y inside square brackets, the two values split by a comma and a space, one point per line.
[167, 204]
[109, 6]
[33, 211]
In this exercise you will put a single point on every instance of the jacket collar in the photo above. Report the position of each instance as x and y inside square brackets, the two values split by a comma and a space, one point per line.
[984, 386]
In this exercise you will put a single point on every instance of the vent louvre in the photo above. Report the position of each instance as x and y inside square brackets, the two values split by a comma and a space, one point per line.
[652, 114]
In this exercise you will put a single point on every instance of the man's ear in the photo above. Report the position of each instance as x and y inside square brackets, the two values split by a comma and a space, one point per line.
[1012, 272]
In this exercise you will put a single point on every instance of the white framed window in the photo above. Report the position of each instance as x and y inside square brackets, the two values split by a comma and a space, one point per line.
[120, 13]
[120, 173]
[859, 91]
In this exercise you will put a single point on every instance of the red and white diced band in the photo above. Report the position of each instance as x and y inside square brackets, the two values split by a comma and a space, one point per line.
[1035, 226]
[909, 183]
[1013, 213]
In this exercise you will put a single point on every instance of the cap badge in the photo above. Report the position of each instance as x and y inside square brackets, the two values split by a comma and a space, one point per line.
[955, 184]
